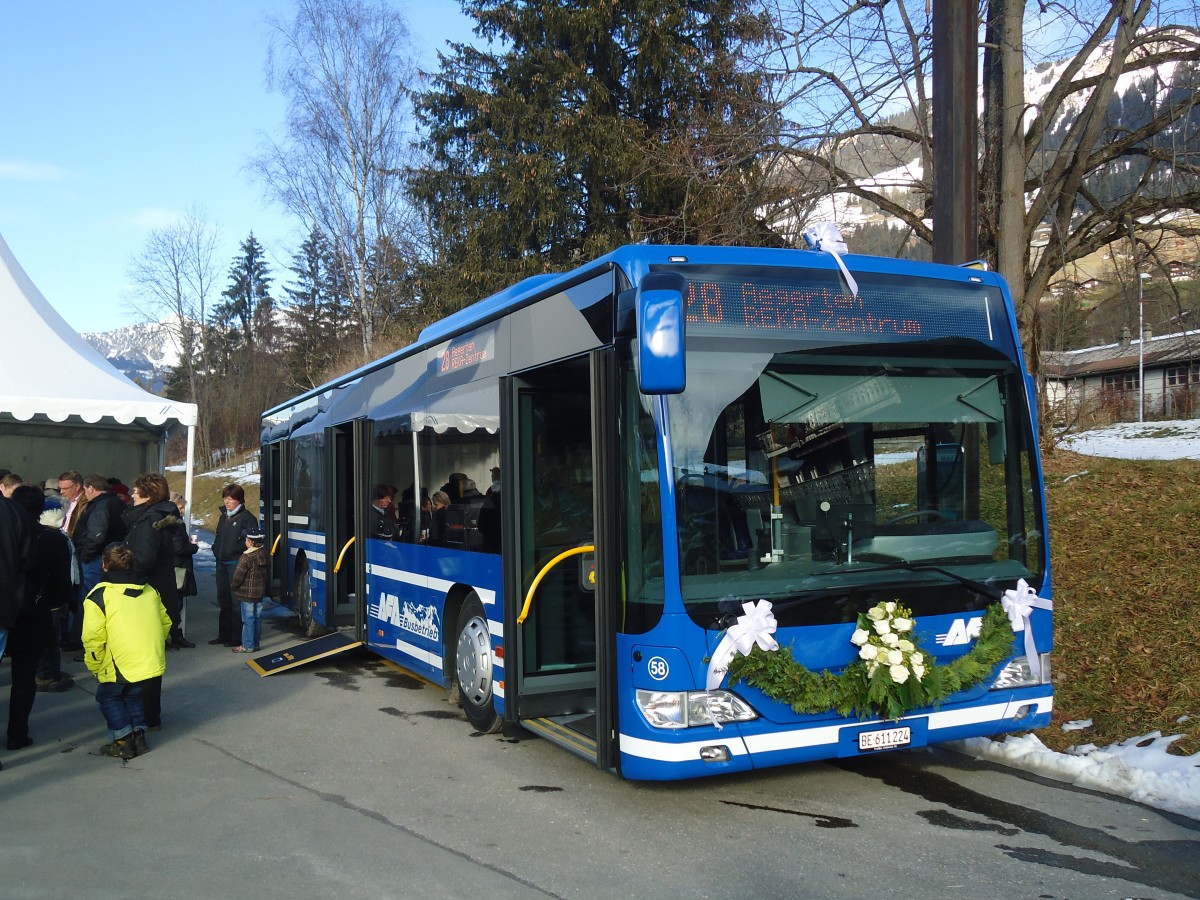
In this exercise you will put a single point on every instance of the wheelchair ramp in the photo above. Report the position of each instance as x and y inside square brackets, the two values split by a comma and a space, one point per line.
[319, 648]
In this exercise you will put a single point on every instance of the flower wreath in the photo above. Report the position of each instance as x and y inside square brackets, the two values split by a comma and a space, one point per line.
[890, 676]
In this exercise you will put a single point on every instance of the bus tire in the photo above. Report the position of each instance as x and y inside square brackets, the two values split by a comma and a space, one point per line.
[473, 667]
[303, 596]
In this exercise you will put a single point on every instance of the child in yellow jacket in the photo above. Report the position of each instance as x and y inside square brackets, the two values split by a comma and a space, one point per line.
[125, 628]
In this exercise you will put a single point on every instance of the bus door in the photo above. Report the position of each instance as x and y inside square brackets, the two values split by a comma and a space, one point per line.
[559, 669]
[273, 462]
[347, 498]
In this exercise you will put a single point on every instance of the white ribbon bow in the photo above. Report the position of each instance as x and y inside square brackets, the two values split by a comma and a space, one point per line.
[826, 236]
[755, 627]
[1018, 604]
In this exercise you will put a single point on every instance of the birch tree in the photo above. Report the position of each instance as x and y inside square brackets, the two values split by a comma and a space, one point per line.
[175, 276]
[346, 69]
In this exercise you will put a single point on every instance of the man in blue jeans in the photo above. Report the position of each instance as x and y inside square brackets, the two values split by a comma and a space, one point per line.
[228, 546]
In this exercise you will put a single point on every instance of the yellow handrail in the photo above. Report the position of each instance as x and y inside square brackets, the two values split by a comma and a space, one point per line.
[275, 546]
[337, 565]
[574, 551]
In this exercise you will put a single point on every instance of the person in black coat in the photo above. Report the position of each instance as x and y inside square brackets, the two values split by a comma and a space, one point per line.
[383, 524]
[99, 525]
[228, 546]
[15, 534]
[152, 521]
[47, 586]
[439, 504]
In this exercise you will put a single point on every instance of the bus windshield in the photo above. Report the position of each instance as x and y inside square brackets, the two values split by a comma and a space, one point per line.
[826, 482]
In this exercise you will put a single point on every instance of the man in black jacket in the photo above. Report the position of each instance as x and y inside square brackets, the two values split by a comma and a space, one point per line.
[228, 546]
[15, 535]
[48, 585]
[99, 525]
[15, 541]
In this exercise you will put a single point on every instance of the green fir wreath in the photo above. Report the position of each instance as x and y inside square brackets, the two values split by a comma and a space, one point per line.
[869, 688]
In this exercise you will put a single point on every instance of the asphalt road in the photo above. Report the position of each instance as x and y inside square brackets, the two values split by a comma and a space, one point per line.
[349, 778]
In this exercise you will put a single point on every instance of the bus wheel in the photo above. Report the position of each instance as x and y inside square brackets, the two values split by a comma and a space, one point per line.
[304, 596]
[473, 667]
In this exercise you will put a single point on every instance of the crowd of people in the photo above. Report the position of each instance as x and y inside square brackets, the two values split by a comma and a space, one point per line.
[92, 567]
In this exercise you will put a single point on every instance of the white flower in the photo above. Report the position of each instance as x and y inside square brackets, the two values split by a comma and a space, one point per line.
[886, 638]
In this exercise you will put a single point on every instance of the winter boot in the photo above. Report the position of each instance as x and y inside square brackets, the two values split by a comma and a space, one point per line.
[139, 742]
[121, 748]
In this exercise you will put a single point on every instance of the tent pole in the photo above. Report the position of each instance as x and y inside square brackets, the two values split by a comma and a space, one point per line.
[187, 476]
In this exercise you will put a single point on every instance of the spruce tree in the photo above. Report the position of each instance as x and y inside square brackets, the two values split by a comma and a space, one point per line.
[247, 305]
[584, 125]
[314, 315]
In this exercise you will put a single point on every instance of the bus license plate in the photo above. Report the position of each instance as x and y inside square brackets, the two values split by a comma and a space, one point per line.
[886, 739]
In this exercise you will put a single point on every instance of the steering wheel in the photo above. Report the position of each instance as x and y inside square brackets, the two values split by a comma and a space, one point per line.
[931, 515]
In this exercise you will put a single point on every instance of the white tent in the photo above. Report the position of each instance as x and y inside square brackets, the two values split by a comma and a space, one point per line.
[63, 406]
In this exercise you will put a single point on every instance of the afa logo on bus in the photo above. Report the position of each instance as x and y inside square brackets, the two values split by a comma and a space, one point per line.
[963, 631]
[418, 619]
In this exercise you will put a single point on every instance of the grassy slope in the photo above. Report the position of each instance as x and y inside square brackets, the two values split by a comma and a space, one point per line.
[1126, 571]
[1126, 565]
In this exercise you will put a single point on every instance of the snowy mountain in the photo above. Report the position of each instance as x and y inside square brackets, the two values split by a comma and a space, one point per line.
[143, 352]
[1137, 99]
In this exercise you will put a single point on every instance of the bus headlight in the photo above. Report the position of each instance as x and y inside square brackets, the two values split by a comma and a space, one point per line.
[691, 709]
[1017, 674]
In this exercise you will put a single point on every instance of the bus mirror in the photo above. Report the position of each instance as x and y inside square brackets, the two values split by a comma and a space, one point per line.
[997, 443]
[660, 334]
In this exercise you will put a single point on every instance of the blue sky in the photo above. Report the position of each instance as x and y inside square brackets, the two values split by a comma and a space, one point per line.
[115, 118]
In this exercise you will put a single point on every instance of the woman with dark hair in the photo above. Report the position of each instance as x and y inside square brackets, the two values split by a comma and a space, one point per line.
[152, 521]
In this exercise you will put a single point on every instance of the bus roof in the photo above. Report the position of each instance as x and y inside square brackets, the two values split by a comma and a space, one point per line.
[636, 260]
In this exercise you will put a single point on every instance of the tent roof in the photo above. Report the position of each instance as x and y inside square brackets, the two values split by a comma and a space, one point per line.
[48, 370]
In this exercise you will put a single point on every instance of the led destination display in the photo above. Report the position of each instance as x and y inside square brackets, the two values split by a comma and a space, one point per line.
[921, 309]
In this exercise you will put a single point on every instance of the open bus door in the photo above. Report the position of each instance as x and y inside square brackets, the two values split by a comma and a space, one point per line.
[558, 508]
[273, 463]
[345, 463]
[345, 556]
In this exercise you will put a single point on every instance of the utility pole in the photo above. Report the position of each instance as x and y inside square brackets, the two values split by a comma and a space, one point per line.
[955, 132]
[1141, 280]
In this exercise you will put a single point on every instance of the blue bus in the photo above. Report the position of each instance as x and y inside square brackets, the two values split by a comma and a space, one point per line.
[566, 503]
